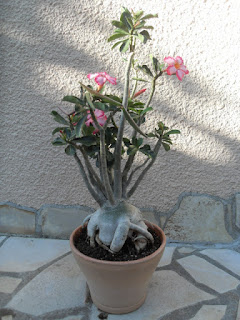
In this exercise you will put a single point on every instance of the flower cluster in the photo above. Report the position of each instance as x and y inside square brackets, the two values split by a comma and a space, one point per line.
[175, 66]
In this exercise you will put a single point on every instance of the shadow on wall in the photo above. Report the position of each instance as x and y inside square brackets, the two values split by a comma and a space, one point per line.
[44, 55]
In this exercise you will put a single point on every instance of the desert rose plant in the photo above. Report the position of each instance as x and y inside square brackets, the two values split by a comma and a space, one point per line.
[94, 133]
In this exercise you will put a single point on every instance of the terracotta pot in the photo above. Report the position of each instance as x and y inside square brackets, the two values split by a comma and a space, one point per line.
[118, 287]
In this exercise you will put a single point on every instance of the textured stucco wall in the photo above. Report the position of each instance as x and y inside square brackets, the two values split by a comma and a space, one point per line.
[48, 46]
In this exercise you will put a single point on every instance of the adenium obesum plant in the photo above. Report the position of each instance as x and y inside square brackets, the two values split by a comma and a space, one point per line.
[95, 130]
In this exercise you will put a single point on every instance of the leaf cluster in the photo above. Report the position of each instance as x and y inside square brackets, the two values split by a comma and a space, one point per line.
[131, 27]
[163, 133]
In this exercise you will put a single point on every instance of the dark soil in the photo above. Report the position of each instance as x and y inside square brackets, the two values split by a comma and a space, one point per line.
[127, 253]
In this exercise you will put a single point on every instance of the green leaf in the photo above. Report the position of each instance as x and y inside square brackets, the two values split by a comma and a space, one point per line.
[132, 122]
[116, 44]
[146, 36]
[68, 133]
[116, 36]
[121, 32]
[147, 27]
[126, 20]
[139, 142]
[146, 149]
[151, 135]
[140, 25]
[126, 142]
[59, 142]
[120, 25]
[132, 150]
[58, 129]
[149, 16]
[125, 46]
[138, 15]
[88, 131]
[141, 37]
[87, 140]
[59, 118]
[146, 110]
[166, 146]
[140, 79]
[97, 94]
[70, 150]
[73, 99]
[155, 63]
[144, 68]
[172, 132]
[79, 125]
[101, 106]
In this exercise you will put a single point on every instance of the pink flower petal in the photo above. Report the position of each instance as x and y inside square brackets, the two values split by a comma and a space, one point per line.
[100, 80]
[179, 60]
[180, 74]
[170, 60]
[99, 113]
[92, 75]
[88, 122]
[184, 69]
[171, 70]
[101, 121]
[110, 79]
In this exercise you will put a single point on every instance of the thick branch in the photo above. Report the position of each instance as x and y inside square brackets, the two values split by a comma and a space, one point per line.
[151, 94]
[96, 196]
[130, 160]
[103, 164]
[136, 184]
[134, 171]
[103, 158]
[88, 164]
[118, 148]
[90, 168]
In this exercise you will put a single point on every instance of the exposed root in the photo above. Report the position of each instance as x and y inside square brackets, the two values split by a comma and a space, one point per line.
[142, 231]
[102, 244]
[87, 219]
[140, 242]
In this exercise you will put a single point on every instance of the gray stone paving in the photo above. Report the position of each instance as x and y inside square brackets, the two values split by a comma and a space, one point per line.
[190, 282]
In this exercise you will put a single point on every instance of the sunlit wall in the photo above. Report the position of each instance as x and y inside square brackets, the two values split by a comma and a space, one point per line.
[48, 46]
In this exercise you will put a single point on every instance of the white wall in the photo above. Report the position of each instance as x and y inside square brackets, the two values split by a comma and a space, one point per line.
[48, 46]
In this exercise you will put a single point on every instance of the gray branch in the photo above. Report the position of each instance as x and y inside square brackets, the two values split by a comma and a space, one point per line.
[103, 158]
[118, 148]
[130, 160]
[136, 184]
[85, 178]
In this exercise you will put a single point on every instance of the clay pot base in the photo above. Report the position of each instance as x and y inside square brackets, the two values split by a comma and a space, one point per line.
[121, 310]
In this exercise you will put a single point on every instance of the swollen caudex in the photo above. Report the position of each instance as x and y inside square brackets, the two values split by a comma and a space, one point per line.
[110, 226]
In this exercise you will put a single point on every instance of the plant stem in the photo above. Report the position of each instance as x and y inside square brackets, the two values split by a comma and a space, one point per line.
[85, 178]
[103, 158]
[136, 184]
[103, 164]
[118, 148]
[130, 160]
[151, 93]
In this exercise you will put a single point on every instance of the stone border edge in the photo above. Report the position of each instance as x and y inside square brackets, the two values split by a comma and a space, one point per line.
[231, 216]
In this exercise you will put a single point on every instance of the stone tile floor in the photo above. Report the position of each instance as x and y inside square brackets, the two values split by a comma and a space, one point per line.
[39, 280]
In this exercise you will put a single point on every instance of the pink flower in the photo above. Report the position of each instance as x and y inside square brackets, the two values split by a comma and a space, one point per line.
[100, 116]
[139, 92]
[101, 77]
[176, 66]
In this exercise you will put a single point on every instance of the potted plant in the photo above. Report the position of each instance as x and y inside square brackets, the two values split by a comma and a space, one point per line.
[96, 133]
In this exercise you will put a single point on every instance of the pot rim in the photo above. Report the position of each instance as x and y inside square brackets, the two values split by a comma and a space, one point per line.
[120, 263]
